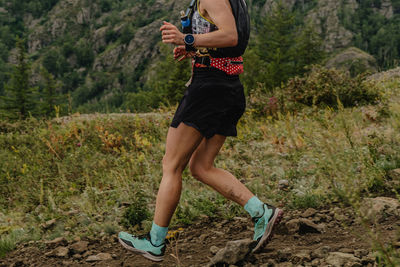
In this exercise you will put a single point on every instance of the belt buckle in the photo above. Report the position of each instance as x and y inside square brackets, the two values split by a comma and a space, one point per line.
[203, 61]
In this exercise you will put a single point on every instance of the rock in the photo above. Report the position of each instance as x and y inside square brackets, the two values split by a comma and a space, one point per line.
[240, 219]
[61, 252]
[56, 241]
[325, 18]
[99, 257]
[309, 213]
[339, 259]
[394, 174]
[360, 253]
[377, 209]
[77, 256]
[316, 262]
[353, 60]
[203, 237]
[214, 249]
[283, 184]
[303, 226]
[301, 257]
[218, 233]
[321, 252]
[234, 252]
[284, 254]
[393, 180]
[49, 224]
[79, 247]
[346, 250]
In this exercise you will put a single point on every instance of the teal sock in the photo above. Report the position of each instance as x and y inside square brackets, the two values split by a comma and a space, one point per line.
[254, 207]
[158, 234]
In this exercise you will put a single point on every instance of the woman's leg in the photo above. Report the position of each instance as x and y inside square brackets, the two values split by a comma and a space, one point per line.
[202, 168]
[180, 145]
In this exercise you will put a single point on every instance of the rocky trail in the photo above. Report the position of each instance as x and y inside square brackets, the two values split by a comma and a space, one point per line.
[330, 237]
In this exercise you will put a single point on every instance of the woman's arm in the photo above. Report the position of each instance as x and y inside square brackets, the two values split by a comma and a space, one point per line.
[221, 14]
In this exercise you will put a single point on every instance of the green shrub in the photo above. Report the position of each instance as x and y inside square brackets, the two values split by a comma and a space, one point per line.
[328, 87]
[137, 212]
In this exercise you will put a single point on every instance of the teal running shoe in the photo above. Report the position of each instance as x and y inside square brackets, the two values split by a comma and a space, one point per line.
[142, 245]
[264, 225]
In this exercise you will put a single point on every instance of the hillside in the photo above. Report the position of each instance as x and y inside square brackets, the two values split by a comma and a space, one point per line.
[69, 184]
[103, 51]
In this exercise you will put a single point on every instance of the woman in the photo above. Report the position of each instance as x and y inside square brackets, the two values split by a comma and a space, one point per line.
[207, 114]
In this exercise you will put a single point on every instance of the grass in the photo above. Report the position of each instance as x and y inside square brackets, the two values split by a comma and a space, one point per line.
[86, 171]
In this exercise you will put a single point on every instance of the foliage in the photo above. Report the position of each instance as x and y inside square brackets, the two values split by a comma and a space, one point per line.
[51, 98]
[19, 98]
[375, 33]
[329, 87]
[282, 49]
[166, 86]
[137, 212]
[95, 164]
[319, 87]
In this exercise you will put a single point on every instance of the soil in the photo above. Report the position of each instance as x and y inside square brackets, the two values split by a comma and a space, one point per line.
[193, 246]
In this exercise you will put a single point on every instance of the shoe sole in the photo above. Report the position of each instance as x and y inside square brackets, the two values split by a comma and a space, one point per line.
[145, 254]
[269, 231]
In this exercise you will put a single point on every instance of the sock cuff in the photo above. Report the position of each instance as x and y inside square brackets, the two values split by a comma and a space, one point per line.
[158, 234]
[254, 207]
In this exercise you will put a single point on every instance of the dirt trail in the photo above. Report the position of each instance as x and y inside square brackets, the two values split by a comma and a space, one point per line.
[309, 238]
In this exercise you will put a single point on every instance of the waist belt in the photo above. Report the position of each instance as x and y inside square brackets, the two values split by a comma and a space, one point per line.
[206, 61]
[231, 66]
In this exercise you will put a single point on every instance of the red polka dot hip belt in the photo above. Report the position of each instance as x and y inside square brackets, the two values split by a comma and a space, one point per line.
[229, 65]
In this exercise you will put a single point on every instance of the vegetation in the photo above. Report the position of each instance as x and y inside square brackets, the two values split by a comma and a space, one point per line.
[334, 137]
[375, 33]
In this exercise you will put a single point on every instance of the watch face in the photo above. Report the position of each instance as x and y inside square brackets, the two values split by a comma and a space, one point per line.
[189, 39]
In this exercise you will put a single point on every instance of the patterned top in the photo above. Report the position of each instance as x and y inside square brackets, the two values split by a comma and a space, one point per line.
[200, 25]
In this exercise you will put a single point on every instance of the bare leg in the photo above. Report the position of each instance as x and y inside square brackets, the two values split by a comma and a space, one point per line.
[181, 143]
[202, 168]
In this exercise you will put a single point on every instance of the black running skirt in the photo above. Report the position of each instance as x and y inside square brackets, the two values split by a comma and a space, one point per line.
[212, 104]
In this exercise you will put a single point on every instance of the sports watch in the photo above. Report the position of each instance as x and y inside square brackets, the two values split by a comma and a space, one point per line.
[189, 41]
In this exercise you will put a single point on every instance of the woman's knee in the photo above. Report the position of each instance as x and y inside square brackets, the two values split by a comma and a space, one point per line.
[198, 170]
[172, 165]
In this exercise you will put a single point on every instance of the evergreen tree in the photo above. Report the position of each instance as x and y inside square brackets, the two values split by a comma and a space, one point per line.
[308, 49]
[18, 101]
[282, 49]
[275, 46]
[51, 100]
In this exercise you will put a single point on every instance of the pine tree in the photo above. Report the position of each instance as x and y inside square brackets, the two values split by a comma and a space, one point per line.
[18, 101]
[275, 46]
[51, 100]
[308, 49]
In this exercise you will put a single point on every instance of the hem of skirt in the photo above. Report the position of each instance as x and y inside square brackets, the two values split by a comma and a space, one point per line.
[207, 136]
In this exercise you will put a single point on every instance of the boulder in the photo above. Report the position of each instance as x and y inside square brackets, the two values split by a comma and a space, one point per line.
[234, 252]
[61, 252]
[303, 226]
[377, 209]
[339, 259]
[99, 257]
[79, 247]
[56, 241]
[353, 60]
[301, 257]
[214, 249]
[310, 212]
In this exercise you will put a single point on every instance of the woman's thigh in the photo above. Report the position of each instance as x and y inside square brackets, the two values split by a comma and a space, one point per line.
[205, 154]
[181, 143]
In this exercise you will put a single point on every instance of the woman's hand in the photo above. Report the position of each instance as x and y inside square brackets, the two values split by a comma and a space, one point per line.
[180, 51]
[171, 34]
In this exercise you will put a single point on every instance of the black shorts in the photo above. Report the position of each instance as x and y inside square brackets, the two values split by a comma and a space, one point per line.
[212, 104]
